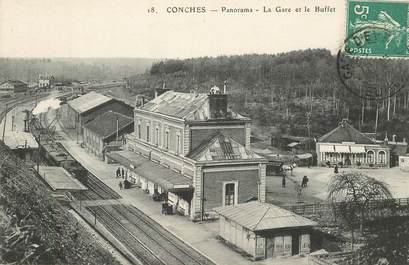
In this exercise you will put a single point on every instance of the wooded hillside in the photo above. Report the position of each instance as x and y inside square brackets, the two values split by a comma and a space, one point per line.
[28, 69]
[278, 90]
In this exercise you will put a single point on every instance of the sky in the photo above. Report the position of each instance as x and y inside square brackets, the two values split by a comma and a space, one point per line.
[125, 28]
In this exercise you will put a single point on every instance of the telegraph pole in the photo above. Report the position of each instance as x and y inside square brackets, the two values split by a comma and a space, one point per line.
[5, 120]
[308, 114]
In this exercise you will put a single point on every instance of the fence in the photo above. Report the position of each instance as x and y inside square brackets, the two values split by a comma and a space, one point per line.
[320, 208]
[338, 258]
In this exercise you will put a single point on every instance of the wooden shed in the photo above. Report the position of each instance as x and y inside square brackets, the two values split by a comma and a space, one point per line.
[264, 230]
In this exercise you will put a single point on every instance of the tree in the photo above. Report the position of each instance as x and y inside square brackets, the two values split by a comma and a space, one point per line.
[350, 194]
[387, 239]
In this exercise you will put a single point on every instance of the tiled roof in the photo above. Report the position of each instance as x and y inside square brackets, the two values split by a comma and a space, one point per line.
[88, 101]
[190, 106]
[257, 216]
[221, 147]
[345, 133]
[105, 124]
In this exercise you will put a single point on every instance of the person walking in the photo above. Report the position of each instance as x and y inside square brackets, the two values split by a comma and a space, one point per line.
[283, 182]
[123, 173]
[118, 172]
[120, 185]
[336, 169]
[305, 181]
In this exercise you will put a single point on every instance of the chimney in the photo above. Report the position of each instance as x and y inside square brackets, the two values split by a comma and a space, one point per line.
[160, 91]
[394, 138]
[217, 104]
[386, 140]
[140, 101]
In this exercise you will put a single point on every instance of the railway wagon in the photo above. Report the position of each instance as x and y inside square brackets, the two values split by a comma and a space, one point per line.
[56, 155]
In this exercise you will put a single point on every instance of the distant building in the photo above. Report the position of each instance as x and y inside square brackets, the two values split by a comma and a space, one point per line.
[348, 146]
[85, 108]
[45, 80]
[264, 230]
[11, 87]
[404, 162]
[192, 147]
[296, 144]
[397, 148]
[106, 131]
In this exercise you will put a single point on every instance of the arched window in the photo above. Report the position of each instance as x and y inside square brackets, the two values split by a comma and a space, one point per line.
[382, 157]
[371, 156]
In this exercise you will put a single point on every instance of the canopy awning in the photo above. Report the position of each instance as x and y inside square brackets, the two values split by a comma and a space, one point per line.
[304, 156]
[164, 177]
[342, 149]
[327, 149]
[293, 144]
[357, 149]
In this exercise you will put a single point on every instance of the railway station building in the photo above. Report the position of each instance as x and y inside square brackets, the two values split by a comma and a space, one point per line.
[196, 149]
[348, 146]
[264, 230]
[85, 108]
[106, 132]
[11, 87]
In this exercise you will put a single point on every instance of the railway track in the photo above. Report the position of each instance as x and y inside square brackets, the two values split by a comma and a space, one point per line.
[115, 227]
[97, 191]
[13, 102]
[159, 234]
[151, 235]
[146, 239]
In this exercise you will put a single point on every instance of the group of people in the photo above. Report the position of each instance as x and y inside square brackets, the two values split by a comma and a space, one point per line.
[304, 182]
[121, 173]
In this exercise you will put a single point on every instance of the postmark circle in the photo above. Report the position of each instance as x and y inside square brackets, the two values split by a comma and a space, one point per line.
[370, 77]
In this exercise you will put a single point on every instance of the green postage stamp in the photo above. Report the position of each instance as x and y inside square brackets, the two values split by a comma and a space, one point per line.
[377, 28]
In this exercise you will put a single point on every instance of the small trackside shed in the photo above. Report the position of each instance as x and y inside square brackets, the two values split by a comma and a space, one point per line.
[106, 131]
[264, 230]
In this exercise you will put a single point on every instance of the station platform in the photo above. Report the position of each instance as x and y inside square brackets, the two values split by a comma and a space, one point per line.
[60, 179]
[201, 236]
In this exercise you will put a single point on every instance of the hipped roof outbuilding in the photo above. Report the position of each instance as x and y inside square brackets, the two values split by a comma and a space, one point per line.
[258, 216]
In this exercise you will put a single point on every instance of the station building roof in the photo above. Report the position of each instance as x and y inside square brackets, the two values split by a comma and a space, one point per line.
[60, 179]
[88, 101]
[189, 106]
[258, 216]
[20, 140]
[105, 125]
[221, 147]
[165, 177]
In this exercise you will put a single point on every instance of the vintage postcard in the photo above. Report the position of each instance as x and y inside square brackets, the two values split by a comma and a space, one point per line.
[204, 132]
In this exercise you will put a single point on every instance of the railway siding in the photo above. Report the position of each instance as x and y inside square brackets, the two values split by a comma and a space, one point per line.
[140, 234]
